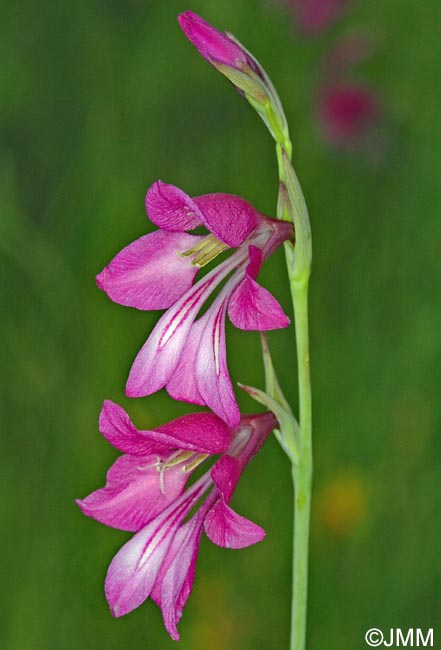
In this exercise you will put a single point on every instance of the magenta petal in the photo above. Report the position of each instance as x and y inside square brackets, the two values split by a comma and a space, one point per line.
[255, 257]
[201, 432]
[150, 273]
[183, 385]
[132, 496]
[226, 528]
[230, 218]
[226, 474]
[175, 580]
[117, 427]
[171, 209]
[252, 307]
[134, 569]
[212, 44]
[212, 376]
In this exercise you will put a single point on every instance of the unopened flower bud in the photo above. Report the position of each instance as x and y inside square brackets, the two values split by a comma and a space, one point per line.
[234, 61]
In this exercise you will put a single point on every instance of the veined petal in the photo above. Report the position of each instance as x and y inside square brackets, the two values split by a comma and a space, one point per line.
[212, 376]
[182, 385]
[134, 569]
[251, 307]
[226, 528]
[149, 273]
[200, 432]
[171, 209]
[230, 218]
[132, 495]
[159, 357]
[175, 580]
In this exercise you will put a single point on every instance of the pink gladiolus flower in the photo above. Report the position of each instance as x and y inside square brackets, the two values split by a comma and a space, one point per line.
[180, 444]
[157, 271]
[145, 493]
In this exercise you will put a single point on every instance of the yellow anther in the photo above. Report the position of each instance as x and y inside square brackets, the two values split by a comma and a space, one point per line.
[199, 458]
[205, 251]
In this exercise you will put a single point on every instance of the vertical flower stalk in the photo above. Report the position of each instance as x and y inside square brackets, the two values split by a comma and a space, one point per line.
[227, 55]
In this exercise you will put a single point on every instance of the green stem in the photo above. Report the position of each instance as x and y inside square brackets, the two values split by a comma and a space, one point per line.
[302, 469]
[301, 473]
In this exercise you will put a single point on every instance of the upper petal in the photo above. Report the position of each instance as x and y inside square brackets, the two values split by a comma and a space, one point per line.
[230, 218]
[150, 273]
[201, 432]
[132, 495]
[226, 528]
[171, 209]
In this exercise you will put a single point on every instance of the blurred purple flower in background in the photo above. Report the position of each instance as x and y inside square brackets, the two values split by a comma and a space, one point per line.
[347, 112]
[314, 16]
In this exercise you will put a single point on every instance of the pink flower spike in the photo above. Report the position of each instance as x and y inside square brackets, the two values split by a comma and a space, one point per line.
[211, 43]
[131, 278]
[251, 307]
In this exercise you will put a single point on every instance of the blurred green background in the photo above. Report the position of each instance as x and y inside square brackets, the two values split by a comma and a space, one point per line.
[101, 98]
